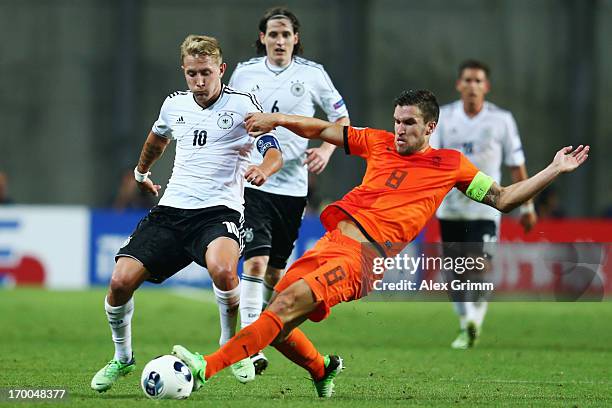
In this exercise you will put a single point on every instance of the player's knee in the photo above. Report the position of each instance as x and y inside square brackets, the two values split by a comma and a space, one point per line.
[256, 266]
[123, 281]
[127, 277]
[223, 274]
[284, 305]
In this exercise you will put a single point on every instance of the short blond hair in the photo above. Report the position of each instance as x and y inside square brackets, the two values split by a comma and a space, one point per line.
[201, 45]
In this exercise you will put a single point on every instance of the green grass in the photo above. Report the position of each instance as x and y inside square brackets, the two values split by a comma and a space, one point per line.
[530, 354]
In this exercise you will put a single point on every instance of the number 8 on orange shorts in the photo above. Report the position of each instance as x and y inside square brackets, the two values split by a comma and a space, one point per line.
[333, 269]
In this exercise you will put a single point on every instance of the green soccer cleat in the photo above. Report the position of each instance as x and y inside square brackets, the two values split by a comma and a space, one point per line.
[325, 386]
[462, 341]
[244, 370]
[467, 338]
[195, 362]
[106, 377]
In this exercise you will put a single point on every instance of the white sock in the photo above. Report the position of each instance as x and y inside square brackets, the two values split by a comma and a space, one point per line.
[267, 294]
[470, 311]
[480, 310]
[461, 310]
[120, 320]
[228, 302]
[463, 322]
[250, 299]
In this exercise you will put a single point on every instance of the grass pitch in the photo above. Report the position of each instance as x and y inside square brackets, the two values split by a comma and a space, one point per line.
[530, 354]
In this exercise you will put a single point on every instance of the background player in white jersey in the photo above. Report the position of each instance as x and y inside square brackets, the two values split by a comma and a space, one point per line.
[199, 216]
[286, 83]
[488, 136]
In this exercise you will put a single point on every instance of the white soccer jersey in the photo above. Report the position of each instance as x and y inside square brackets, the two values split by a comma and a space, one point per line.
[213, 149]
[487, 139]
[294, 90]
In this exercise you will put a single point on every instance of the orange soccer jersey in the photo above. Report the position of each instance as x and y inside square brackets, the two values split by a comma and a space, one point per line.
[396, 198]
[398, 193]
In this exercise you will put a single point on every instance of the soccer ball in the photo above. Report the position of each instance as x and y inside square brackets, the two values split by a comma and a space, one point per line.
[166, 377]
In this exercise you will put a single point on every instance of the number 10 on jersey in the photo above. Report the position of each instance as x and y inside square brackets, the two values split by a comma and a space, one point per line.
[199, 137]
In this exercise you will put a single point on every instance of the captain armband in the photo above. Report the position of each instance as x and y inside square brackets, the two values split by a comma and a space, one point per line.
[267, 142]
[479, 186]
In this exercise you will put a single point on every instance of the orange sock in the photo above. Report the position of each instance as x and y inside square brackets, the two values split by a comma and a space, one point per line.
[299, 349]
[245, 343]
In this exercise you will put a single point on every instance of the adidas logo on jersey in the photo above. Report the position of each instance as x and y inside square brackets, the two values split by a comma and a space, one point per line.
[180, 120]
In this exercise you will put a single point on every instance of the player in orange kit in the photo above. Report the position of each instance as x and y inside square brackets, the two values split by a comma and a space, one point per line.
[404, 183]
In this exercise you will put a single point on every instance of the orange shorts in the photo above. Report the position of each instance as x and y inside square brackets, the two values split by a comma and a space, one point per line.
[334, 271]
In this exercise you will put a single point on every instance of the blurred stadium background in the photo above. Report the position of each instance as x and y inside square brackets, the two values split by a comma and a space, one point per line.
[82, 82]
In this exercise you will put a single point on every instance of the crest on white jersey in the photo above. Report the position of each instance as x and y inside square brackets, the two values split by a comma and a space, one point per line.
[225, 121]
[297, 88]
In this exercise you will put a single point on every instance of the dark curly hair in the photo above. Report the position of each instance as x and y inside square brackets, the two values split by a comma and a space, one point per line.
[273, 14]
[423, 99]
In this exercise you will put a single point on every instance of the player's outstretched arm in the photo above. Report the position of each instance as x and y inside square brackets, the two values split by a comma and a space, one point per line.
[507, 198]
[152, 150]
[318, 157]
[309, 128]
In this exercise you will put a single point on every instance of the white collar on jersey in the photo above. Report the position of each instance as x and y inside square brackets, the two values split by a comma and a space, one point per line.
[275, 69]
[483, 112]
[215, 101]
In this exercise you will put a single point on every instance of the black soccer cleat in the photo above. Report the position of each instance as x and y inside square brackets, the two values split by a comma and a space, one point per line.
[260, 362]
